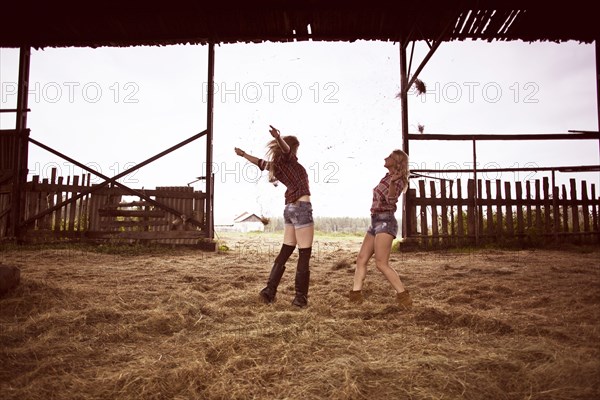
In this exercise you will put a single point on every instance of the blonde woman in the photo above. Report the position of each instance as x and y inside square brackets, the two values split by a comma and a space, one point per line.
[383, 230]
[283, 166]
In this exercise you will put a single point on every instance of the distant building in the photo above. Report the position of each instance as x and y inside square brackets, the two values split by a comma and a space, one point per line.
[248, 223]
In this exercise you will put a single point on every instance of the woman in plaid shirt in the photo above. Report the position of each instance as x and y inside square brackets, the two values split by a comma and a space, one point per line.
[283, 166]
[384, 228]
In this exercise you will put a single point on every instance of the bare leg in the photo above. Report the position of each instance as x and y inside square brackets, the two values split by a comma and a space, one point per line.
[304, 236]
[289, 235]
[383, 248]
[364, 255]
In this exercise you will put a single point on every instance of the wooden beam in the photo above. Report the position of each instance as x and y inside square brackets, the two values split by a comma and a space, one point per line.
[521, 136]
[147, 235]
[574, 168]
[430, 53]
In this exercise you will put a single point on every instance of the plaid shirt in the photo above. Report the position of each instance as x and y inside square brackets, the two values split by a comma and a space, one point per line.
[291, 173]
[382, 203]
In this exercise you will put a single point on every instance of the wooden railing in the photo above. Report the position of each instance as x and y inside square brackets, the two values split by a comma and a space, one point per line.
[491, 211]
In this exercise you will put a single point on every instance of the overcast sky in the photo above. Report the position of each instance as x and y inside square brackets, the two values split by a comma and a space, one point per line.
[113, 107]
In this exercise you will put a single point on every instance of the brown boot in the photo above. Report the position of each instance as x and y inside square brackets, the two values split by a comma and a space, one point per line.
[356, 296]
[404, 300]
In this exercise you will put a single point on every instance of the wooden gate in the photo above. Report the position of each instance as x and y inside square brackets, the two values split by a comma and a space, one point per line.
[108, 213]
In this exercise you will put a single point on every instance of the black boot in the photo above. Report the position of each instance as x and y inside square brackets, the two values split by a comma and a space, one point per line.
[302, 278]
[268, 293]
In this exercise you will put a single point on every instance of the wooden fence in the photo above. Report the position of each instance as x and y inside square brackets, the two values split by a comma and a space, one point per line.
[106, 213]
[491, 211]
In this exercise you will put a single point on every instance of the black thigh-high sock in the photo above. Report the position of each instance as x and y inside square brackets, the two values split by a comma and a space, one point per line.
[302, 276]
[304, 259]
[284, 254]
[268, 293]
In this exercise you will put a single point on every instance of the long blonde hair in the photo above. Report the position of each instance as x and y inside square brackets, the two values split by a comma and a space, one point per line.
[275, 153]
[401, 167]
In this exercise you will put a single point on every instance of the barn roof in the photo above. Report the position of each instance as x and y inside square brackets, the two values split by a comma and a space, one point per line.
[68, 23]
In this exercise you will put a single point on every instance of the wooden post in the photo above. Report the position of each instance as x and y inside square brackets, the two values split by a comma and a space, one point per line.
[406, 206]
[475, 194]
[598, 85]
[594, 210]
[412, 211]
[21, 143]
[209, 142]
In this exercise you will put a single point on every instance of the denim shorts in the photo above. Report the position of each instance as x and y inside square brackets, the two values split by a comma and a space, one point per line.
[298, 214]
[383, 223]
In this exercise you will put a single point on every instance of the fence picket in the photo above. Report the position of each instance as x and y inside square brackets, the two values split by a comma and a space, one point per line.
[443, 199]
[574, 207]
[547, 205]
[584, 207]
[459, 210]
[73, 206]
[489, 211]
[509, 214]
[434, 214]
[480, 207]
[519, 206]
[538, 206]
[423, 210]
[471, 207]
[529, 211]
[499, 216]
[594, 209]
[565, 209]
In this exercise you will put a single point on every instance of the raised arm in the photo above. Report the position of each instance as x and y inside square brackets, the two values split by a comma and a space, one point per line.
[277, 135]
[249, 157]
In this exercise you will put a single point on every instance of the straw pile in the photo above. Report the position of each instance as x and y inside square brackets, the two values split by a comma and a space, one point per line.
[184, 324]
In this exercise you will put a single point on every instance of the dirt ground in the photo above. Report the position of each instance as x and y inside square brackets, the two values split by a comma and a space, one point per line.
[113, 323]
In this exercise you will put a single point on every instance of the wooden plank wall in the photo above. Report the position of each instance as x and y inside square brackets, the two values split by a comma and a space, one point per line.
[496, 210]
[8, 141]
